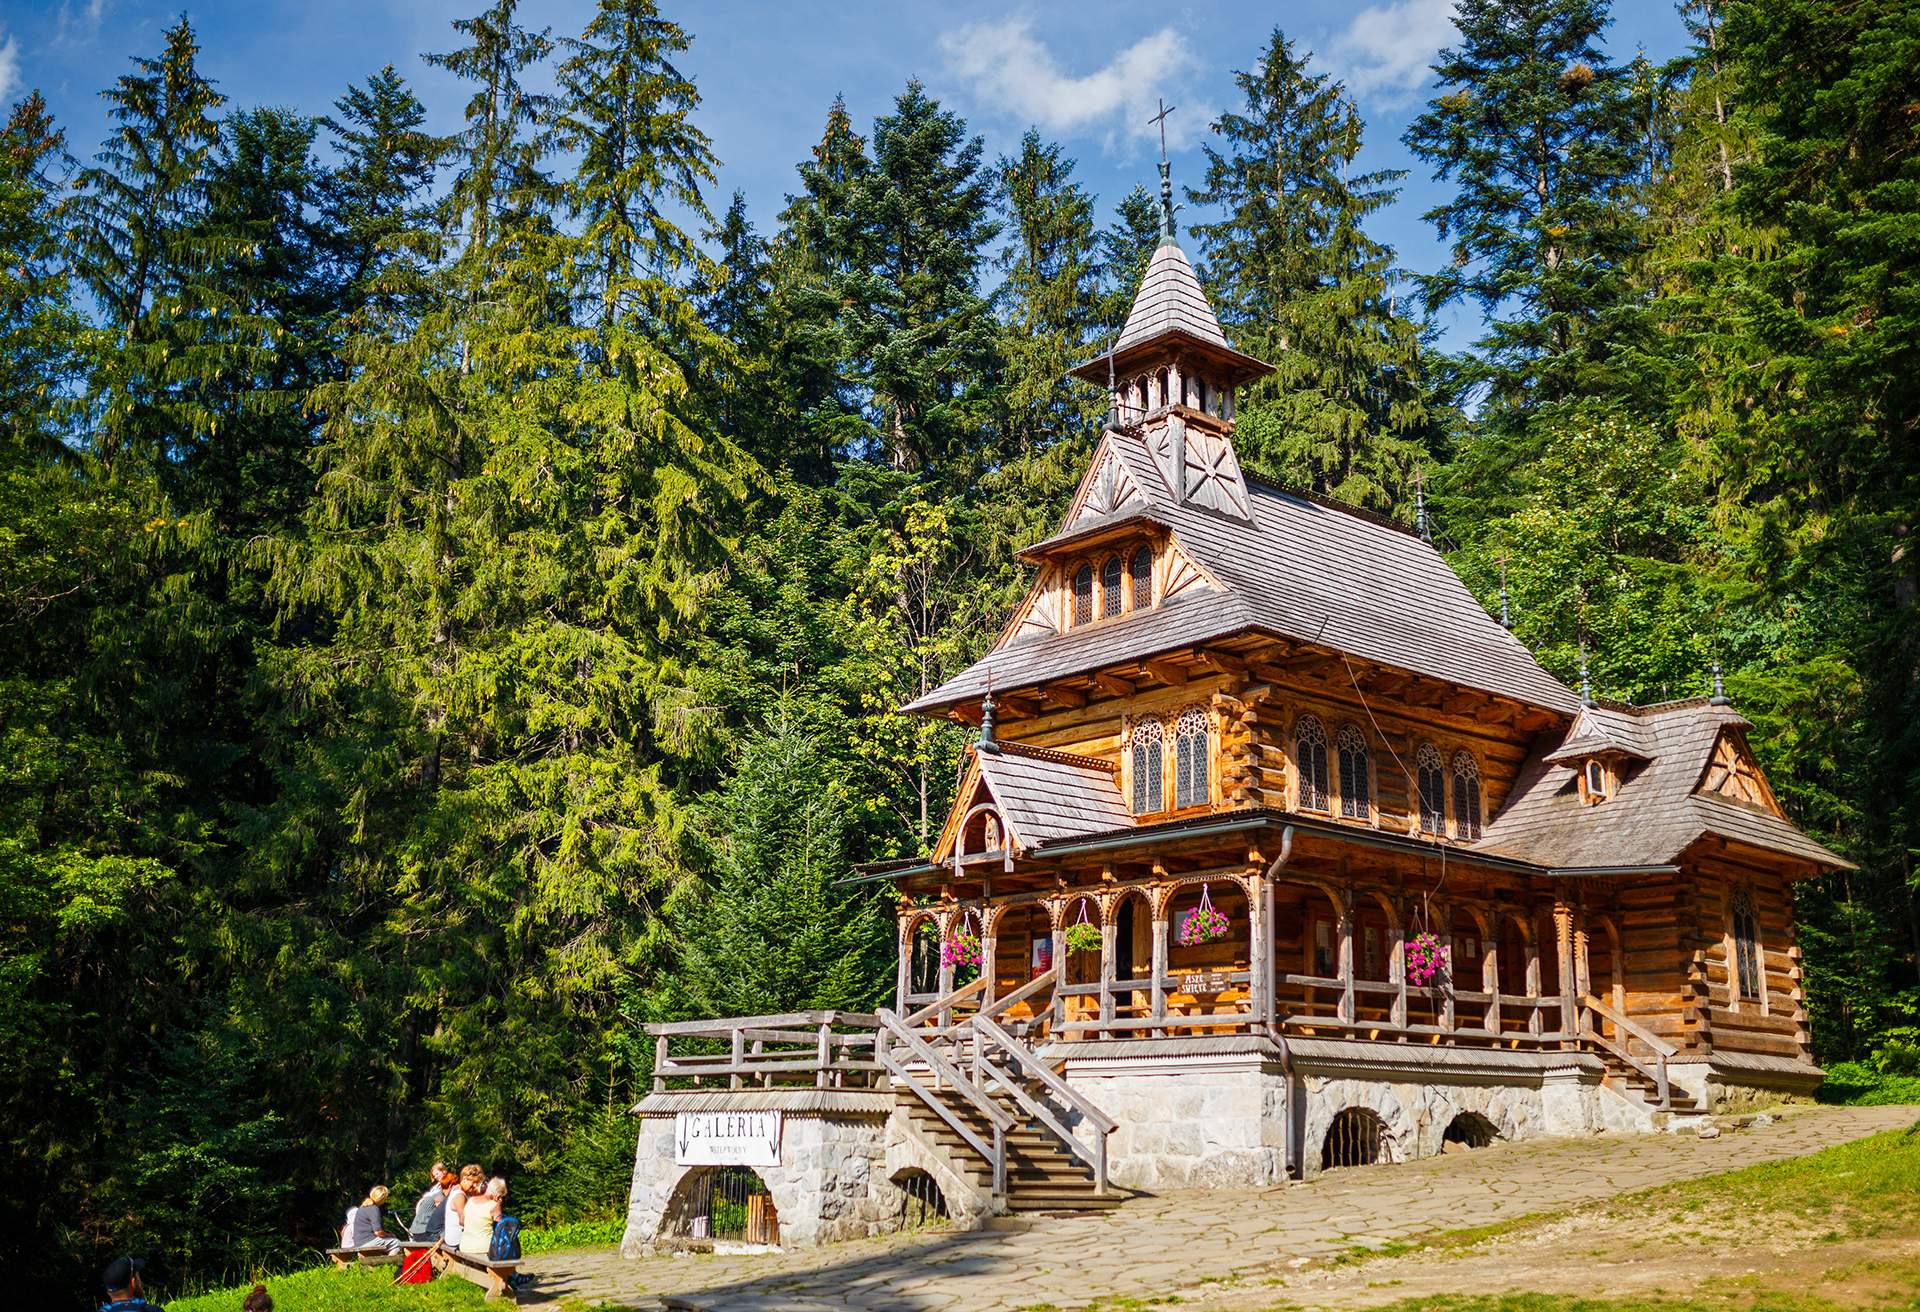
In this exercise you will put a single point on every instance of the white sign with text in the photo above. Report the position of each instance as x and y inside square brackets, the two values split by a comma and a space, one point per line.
[726, 1139]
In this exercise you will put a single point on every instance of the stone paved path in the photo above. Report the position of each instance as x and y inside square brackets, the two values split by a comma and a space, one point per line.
[1179, 1240]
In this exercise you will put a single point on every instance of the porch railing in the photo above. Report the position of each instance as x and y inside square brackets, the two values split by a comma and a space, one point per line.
[1654, 1070]
[821, 1049]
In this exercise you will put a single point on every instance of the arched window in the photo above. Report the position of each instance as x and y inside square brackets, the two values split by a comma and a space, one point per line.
[990, 834]
[1466, 796]
[1310, 756]
[1160, 397]
[1083, 595]
[1430, 774]
[1140, 394]
[1596, 781]
[1111, 573]
[1190, 759]
[1356, 778]
[1148, 746]
[1142, 570]
[1746, 944]
[1200, 386]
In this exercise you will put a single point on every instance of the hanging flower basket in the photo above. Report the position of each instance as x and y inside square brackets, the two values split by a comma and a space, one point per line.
[962, 949]
[1426, 961]
[1204, 923]
[1083, 937]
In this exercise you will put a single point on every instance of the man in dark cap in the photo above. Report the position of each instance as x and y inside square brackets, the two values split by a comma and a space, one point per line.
[126, 1286]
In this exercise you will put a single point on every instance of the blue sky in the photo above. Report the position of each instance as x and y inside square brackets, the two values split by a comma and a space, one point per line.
[1085, 74]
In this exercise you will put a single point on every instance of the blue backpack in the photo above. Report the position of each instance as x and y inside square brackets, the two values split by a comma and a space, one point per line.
[505, 1246]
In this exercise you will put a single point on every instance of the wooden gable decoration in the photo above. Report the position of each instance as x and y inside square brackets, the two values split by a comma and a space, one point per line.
[972, 795]
[1200, 466]
[1734, 776]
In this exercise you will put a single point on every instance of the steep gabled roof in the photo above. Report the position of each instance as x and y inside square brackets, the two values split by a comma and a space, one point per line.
[1600, 730]
[1170, 301]
[1042, 795]
[1298, 568]
[1658, 809]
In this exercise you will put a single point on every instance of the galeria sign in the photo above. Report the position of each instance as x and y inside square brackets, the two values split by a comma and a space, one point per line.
[726, 1139]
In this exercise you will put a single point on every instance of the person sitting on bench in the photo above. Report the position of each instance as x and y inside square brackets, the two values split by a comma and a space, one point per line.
[430, 1213]
[366, 1229]
[482, 1212]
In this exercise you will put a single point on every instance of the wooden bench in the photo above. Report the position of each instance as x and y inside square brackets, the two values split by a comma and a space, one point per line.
[346, 1257]
[494, 1277]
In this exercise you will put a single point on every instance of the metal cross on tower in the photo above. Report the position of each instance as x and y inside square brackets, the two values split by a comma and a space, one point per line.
[1166, 176]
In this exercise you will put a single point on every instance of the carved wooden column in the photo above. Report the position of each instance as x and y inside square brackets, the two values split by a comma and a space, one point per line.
[1057, 916]
[989, 953]
[1397, 971]
[1109, 964]
[1490, 974]
[1257, 948]
[1572, 967]
[1446, 1018]
[903, 974]
[1531, 940]
[945, 985]
[1162, 900]
[1347, 1011]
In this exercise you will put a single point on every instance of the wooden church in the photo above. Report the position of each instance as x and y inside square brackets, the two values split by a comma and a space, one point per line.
[1275, 852]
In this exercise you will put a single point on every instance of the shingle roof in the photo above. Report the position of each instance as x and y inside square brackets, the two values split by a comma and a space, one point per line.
[1654, 814]
[1300, 569]
[1170, 300]
[1601, 729]
[1045, 795]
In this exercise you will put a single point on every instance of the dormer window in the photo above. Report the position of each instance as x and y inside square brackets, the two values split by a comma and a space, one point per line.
[1594, 781]
[1109, 586]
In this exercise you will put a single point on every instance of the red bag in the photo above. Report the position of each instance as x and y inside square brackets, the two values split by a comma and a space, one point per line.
[416, 1268]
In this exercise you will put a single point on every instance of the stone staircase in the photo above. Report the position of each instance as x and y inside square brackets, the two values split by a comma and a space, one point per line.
[1042, 1175]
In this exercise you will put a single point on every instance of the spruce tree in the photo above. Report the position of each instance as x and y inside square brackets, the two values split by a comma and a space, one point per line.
[1048, 295]
[38, 326]
[1299, 283]
[1126, 246]
[372, 221]
[1535, 130]
[132, 222]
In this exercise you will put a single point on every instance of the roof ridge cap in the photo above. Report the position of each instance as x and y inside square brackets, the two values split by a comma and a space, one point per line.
[1055, 754]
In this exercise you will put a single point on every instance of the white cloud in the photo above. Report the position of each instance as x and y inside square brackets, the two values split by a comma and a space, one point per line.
[1012, 71]
[80, 24]
[9, 69]
[1385, 51]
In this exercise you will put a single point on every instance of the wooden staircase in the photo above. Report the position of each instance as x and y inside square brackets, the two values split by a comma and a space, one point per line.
[1003, 1118]
[1041, 1174]
[1641, 1078]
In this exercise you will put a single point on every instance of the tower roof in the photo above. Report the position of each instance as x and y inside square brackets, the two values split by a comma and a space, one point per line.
[1169, 311]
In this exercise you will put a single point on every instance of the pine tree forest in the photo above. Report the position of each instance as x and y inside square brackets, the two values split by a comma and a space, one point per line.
[459, 576]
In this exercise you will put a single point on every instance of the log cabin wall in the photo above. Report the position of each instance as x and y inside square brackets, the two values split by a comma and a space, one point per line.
[1768, 1020]
[1660, 992]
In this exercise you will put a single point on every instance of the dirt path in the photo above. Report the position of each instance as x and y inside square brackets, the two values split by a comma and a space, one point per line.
[1240, 1248]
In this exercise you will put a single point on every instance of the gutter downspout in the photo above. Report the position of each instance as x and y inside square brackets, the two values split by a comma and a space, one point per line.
[1294, 1131]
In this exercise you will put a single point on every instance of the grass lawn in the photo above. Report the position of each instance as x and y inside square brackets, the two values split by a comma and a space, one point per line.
[357, 1289]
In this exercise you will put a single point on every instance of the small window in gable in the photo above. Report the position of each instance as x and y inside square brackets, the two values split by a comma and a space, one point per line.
[1310, 756]
[1111, 573]
[1466, 796]
[1142, 570]
[1190, 759]
[1356, 776]
[1147, 751]
[1430, 775]
[1083, 595]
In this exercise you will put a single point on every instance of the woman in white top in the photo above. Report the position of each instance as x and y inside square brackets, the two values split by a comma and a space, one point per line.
[482, 1212]
[459, 1193]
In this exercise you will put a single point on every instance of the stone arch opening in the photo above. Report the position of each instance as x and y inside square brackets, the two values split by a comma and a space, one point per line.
[1356, 1137]
[1469, 1130]
[714, 1205]
[919, 1201]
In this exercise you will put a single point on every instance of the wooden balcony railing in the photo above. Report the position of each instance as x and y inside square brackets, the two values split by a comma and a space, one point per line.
[823, 1049]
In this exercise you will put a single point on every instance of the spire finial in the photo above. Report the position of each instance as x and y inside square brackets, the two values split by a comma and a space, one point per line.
[1506, 617]
[1719, 697]
[1420, 506]
[1166, 172]
[987, 706]
[1586, 683]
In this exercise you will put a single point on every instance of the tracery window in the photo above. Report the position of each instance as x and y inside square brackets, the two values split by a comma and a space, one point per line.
[1148, 749]
[1190, 759]
[1356, 775]
[1466, 796]
[1142, 570]
[1430, 775]
[1310, 756]
[1746, 944]
[1110, 574]
[1083, 595]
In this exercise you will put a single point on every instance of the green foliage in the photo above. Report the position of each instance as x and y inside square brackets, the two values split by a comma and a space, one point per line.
[323, 1289]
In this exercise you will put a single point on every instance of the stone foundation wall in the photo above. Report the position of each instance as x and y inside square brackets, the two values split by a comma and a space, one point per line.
[835, 1181]
[1212, 1123]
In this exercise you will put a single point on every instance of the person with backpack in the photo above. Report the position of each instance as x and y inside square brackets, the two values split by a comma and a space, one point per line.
[476, 1237]
[126, 1286]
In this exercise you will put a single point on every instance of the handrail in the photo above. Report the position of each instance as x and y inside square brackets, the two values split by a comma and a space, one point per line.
[1645, 1036]
[941, 1004]
[855, 1019]
[1101, 1123]
[1021, 994]
[996, 1115]
[1662, 1050]
[996, 1156]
